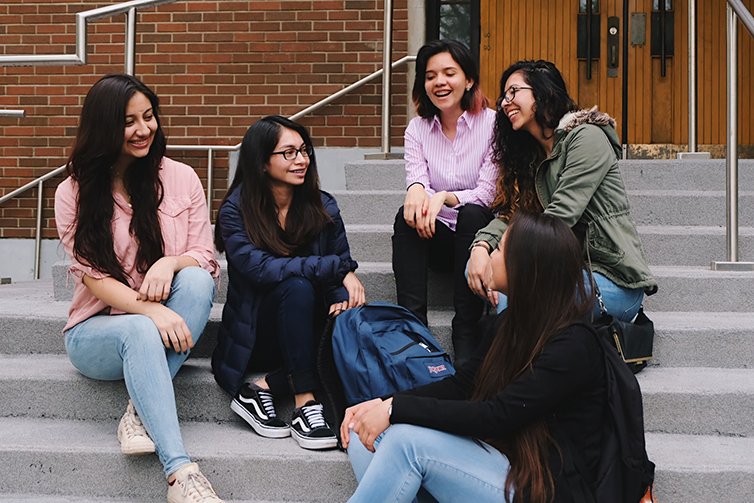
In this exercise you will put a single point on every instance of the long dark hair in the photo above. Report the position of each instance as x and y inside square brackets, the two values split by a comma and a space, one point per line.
[98, 145]
[306, 217]
[546, 294]
[517, 153]
[472, 101]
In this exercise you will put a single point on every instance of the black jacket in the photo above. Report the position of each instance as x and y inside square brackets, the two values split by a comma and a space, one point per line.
[565, 387]
[253, 271]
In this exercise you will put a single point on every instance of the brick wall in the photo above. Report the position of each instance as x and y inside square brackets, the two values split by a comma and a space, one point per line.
[217, 67]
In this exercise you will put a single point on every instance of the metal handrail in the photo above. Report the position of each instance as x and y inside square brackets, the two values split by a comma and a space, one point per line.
[79, 58]
[232, 148]
[211, 149]
[735, 10]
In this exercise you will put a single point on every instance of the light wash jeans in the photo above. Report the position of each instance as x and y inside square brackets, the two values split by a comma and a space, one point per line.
[412, 462]
[128, 346]
[622, 303]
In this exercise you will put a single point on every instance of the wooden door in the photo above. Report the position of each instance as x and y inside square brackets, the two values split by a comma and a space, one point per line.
[547, 29]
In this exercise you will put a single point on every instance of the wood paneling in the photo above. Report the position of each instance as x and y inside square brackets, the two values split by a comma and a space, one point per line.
[658, 106]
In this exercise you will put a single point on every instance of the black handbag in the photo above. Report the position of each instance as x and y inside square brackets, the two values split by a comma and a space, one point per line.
[633, 340]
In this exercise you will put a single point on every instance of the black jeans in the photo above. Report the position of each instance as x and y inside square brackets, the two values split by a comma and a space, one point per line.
[287, 336]
[447, 251]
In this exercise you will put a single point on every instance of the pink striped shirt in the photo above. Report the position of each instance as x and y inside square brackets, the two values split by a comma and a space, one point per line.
[462, 166]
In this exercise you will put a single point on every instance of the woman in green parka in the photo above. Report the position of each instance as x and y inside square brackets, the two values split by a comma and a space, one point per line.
[562, 161]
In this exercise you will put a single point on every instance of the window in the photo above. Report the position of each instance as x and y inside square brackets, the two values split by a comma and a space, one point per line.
[454, 20]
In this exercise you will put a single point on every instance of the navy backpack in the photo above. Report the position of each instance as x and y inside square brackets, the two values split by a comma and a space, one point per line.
[379, 349]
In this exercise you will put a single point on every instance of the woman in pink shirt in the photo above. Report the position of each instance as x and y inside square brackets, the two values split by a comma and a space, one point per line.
[136, 228]
[450, 180]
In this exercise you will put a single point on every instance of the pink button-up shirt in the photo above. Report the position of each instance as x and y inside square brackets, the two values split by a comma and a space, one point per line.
[184, 222]
[462, 165]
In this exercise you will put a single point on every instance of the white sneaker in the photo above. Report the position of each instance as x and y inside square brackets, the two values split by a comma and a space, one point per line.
[133, 437]
[190, 486]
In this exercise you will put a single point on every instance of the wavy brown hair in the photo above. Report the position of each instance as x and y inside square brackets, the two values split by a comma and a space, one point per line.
[546, 294]
[518, 153]
[306, 217]
[98, 145]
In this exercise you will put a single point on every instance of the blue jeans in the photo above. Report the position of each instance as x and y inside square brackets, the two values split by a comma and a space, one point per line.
[128, 346]
[622, 303]
[446, 467]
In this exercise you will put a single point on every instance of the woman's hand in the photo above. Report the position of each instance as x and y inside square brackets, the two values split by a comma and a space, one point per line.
[173, 329]
[372, 423]
[356, 294]
[354, 415]
[337, 308]
[157, 280]
[476, 273]
[415, 205]
[426, 229]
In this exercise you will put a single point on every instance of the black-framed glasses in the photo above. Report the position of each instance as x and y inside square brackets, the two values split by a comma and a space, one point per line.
[510, 94]
[290, 154]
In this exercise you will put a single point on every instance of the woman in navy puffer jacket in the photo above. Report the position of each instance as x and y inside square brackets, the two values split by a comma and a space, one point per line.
[289, 265]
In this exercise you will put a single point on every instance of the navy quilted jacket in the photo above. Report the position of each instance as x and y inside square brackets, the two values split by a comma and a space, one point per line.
[253, 271]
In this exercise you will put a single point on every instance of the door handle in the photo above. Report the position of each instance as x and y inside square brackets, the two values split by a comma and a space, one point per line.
[613, 45]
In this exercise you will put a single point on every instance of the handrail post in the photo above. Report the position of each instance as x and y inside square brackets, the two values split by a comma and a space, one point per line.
[130, 48]
[38, 236]
[387, 71]
[692, 76]
[210, 169]
[692, 152]
[731, 159]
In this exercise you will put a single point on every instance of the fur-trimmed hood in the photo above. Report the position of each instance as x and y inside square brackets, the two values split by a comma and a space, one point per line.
[571, 120]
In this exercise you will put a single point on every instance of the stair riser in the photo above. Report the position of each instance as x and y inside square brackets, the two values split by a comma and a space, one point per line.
[718, 485]
[637, 175]
[660, 248]
[702, 294]
[663, 208]
[102, 474]
[199, 398]
[699, 414]
[672, 348]
[82, 475]
[675, 294]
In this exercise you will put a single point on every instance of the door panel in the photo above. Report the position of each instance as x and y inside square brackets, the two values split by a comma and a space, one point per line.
[657, 105]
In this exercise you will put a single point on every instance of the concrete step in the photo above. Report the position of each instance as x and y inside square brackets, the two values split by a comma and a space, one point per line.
[691, 245]
[701, 289]
[690, 400]
[32, 320]
[648, 207]
[663, 244]
[637, 174]
[700, 469]
[43, 498]
[83, 459]
[698, 401]
[72, 458]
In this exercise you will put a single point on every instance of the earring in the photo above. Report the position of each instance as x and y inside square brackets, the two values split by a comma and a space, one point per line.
[468, 89]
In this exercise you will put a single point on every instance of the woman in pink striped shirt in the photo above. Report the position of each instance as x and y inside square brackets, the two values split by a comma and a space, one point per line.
[450, 180]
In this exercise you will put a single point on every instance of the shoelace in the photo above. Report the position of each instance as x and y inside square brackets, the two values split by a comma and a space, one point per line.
[197, 487]
[134, 426]
[269, 407]
[313, 415]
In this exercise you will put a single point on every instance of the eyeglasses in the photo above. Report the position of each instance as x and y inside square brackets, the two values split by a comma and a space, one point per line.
[290, 154]
[510, 94]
